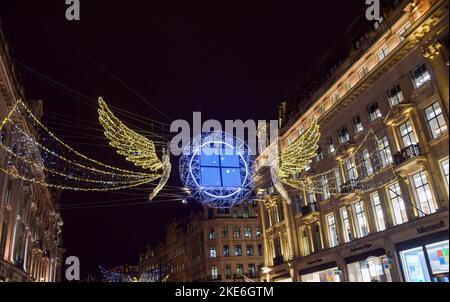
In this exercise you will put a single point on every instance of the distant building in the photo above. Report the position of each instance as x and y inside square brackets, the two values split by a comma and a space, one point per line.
[376, 209]
[212, 245]
[30, 222]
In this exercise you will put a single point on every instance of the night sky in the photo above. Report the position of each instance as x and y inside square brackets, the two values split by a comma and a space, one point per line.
[229, 60]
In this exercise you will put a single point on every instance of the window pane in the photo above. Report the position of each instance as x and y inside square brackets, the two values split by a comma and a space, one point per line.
[211, 177]
[438, 255]
[414, 265]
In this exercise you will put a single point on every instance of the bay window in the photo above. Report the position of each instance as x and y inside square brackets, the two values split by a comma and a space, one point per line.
[407, 134]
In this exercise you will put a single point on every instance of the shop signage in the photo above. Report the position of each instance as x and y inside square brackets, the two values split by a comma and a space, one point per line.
[361, 247]
[314, 262]
[430, 228]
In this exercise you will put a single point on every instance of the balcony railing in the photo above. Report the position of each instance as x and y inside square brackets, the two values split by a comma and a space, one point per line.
[278, 260]
[407, 153]
[310, 208]
[350, 187]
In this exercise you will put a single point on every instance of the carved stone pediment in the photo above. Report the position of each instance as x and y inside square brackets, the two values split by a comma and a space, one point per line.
[398, 112]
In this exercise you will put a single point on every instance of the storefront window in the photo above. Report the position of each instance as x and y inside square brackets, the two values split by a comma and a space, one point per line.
[414, 265]
[329, 275]
[373, 269]
[438, 255]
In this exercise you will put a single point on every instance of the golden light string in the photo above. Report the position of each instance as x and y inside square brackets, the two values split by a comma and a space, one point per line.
[74, 151]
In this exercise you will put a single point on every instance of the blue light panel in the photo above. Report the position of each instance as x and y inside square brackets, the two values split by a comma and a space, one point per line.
[220, 168]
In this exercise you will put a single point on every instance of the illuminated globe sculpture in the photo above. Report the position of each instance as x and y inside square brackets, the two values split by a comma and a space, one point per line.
[217, 169]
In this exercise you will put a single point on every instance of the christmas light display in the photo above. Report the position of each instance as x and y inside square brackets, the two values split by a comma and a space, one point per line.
[34, 154]
[217, 169]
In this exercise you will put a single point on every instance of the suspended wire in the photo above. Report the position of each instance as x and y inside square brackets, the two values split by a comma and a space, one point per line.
[104, 69]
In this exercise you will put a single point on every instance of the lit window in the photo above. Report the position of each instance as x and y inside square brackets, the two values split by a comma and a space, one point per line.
[336, 97]
[378, 211]
[237, 232]
[213, 252]
[325, 187]
[445, 172]
[305, 241]
[248, 232]
[436, 120]
[214, 273]
[337, 179]
[311, 196]
[348, 86]
[226, 251]
[319, 155]
[374, 111]
[350, 170]
[250, 251]
[362, 227]
[240, 269]
[246, 213]
[382, 54]
[423, 194]
[212, 234]
[398, 204]
[238, 251]
[395, 95]
[346, 225]
[330, 145]
[258, 232]
[358, 124]
[367, 162]
[385, 151]
[228, 271]
[420, 75]
[333, 237]
[402, 32]
[235, 214]
[344, 136]
[407, 135]
[363, 71]
[224, 233]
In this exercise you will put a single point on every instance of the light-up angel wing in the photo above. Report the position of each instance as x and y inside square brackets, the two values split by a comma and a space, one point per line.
[295, 158]
[135, 147]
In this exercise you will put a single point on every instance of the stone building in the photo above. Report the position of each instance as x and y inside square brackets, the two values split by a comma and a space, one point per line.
[30, 222]
[211, 245]
[376, 208]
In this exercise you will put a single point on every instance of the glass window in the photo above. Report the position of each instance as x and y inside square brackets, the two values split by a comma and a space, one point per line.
[337, 179]
[438, 255]
[214, 272]
[383, 53]
[246, 213]
[330, 145]
[358, 124]
[238, 250]
[260, 250]
[228, 271]
[385, 151]
[212, 234]
[378, 211]
[226, 251]
[348, 86]
[311, 196]
[325, 187]
[250, 251]
[420, 75]
[373, 269]
[248, 232]
[237, 232]
[436, 120]
[407, 134]
[395, 95]
[258, 232]
[445, 168]
[414, 265]
[213, 252]
[367, 162]
[344, 136]
[225, 233]
[423, 194]
[363, 72]
[362, 227]
[332, 230]
[346, 225]
[402, 32]
[374, 111]
[319, 156]
[350, 170]
[235, 214]
[252, 270]
[398, 204]
[330, 275]
[305, 241]
[240, 269]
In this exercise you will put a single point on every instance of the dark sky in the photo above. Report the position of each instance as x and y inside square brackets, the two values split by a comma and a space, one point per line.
[229, 60]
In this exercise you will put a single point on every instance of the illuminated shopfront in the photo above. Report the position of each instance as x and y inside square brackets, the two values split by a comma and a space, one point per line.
[371, 269]
[326, 273]
[425, 261]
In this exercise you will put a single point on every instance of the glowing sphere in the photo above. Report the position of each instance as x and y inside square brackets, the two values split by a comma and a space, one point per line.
[217, 169]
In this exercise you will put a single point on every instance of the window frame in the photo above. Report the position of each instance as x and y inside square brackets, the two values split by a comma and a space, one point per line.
[438, 118]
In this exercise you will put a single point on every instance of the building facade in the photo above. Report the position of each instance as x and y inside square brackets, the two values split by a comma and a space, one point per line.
[376, 207]
[212, 245]
[30, 223]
